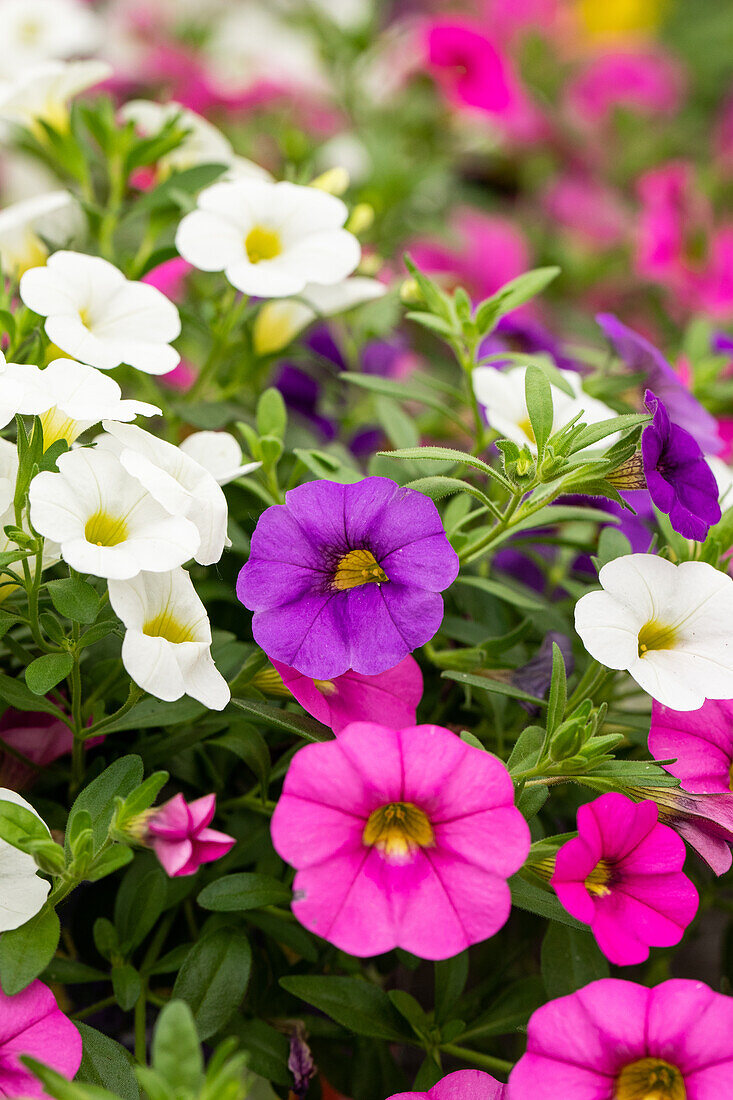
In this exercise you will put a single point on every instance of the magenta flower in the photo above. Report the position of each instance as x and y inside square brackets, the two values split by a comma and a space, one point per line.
[391, 698]
[347, 576]
[648, 82]
[705, 821]
[401, 838]
[39, 737]
[178, 834]
[622, 875]
[700, 740]
[32, 1024]
[465, 1084]
[616, 1040]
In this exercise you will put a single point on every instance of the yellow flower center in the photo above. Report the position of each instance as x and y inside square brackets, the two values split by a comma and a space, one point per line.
[598, 880]
[103, 529]
[526, 426]
[618, 18]
[398, 829]
[57, 426]
[164, 625]
[326, 687]
[655, 635]
[356, 568]
[262, 243]
[29, 31]
[650, 1079]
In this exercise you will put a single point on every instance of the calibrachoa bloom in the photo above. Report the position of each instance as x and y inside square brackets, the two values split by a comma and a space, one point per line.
[648, 82]
[219, 453]
[347, 576]
[32, 1024]
[42, 92]
[40, 738]
[389, 698]
[179, 835]
[99, 317]
[699, 741]
[167, 644]
[22, 892]
[670, 626]
[616, 1040]
[679, 480]
[105, 521]
[279, 322]
[269, 239]
[465, 1084]
[705, 821]
[42, 30]
[622, 875]
[26, 226]
[401, 838]
[203, 143]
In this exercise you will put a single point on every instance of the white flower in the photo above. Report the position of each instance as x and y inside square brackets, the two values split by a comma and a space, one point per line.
[105, 521]
[501, 392]
[26, 226]
[279, 322]
[8, 478]
[670, 626]
[70, 397]
[99, 317]
[39, 30]
[203, 144]
[22, 891]
[177, 482]
[167, 642]
[42, 93]
[270, 239]
[723, 474]
[219, 453]
[11, 393]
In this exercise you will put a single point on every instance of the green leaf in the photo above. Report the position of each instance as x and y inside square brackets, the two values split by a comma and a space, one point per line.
[71, 972]
[46, 672]
[511, 1009]
[176, 1049]
[234, 893]
[538, 395]
[447, 454]
[451, 976]
[272, 416]
[513, 294]
[249, 745]
[357, 1005]
[61, 1088]
[570, 959]
[267, 1050]
[140, 901]
[26, 951]
[214, 977]
[75, 599]
[401, 391]
[300, 724]
[21, 827]
[534, 899]
[14, 692]
[486, 683]
[105, 1063]
[558, 690]
[126, 985]
[594, 433]
[511, 594]
[116, 781]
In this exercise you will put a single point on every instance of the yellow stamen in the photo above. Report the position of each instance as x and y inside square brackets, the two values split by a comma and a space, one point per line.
[102, 529]
[326, 687]
[165, 626]
[262, 243]
[398, 829]
[598, 879]
[356, 568]
[650, 1079]
[655, 635]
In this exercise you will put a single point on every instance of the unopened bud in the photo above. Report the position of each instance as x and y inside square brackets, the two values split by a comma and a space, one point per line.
[335, 181]
[411, 294]
[361, 218]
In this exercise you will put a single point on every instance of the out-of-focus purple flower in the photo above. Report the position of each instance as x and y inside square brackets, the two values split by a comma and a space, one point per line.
[179, 835]
[679, 480]
[389, 358]
[301, 393]
[641, 356]
[535, 677]
[721, 341]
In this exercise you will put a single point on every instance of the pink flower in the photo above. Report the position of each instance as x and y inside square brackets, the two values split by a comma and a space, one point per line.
[622, 875]
[616, 1040]
[401, 838]
[178, 834]
[181, 377]
[588, 208]
[705, 821]
[700, 740]
[473, 73]
[169, 277]
[39, 737]
[648, 82]
[465, 1084]
[31, 1023]
[391, 697]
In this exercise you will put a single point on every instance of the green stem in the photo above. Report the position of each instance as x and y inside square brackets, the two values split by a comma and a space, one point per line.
[472, 552]
[96, 1007]
[135, 695]
[231, 313]
[486, 1061]
[141, 1048]
[590, 681]
[250, 802]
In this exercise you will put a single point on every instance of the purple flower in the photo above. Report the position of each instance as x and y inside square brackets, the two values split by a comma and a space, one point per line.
[722, 342]
[347, 576]
[536, 676]
[679, 480]
[640, 355]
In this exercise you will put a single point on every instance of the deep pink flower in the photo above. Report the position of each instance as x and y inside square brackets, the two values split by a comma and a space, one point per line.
[401, 838]
[700, 740]
[648, 82]
[39, 737]
[622, 875]
[589, 209]
[181, 377]
[465, 1084]
[169, 277]
[704, 821]
[32, 1024]
[616, 1040]
[389, 698]
[178, 834]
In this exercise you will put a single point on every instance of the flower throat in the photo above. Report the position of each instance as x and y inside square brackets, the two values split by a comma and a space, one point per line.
[650, 1079]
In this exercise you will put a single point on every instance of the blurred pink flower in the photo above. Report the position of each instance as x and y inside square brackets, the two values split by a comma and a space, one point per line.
[723, 138]
[648, 82]
[588, 208]
[40, 737]
[178, 834]
[169, 277]
[390, 698]
[31, 1023]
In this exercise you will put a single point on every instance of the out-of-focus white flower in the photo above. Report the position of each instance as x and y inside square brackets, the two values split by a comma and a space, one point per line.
[346, 13]
[203, 144]
[348, 152]
[279, 322]
[42, 30]
[501, 393]
[670, 626]
[177, 482]
[166, 649]
[220, 454]
[8, 478]
[241, 168]
[43, 93]
[105, 521]
[11, 393]
[25, 227]
[270, 239]
[22, 891]
[723, 474]
[70, 397]
[99, 317]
